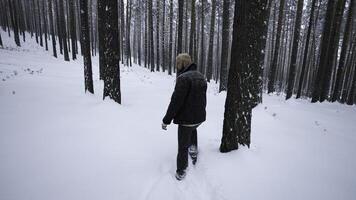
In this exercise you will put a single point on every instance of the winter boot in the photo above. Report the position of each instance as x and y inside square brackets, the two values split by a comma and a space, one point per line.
[180, 175]
[193, 152]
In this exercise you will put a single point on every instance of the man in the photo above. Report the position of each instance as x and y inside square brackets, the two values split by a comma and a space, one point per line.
[187, 109]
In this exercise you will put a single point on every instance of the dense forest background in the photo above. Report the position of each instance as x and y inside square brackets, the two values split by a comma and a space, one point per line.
[296, 48]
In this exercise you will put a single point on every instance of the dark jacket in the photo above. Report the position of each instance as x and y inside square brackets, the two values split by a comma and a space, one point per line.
[188, 100]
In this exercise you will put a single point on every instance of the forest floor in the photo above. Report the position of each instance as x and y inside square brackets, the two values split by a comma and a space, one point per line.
[56, 142]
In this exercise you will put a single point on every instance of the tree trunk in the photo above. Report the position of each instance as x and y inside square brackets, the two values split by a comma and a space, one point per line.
[180, 26]
[73, 28]
[249, 32]
[211, 41]
[112, 52]
[157, 35]
[150, 27]
[85, 45]
[101, 32]
[63, 30]
[202, 49]
[170, 38]
[192, 31]
[51, 21]
[224, 45]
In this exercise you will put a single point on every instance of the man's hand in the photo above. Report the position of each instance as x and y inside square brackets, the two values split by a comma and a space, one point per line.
[164, 126]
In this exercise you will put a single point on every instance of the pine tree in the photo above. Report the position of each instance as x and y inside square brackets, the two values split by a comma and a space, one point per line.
[73, 28]
[157, 35]
[112, 52]
[211, 41]
[224, 45]
[51, 21]
[249, 32]
[150, 27]
[101, 35]
[192, 31]
[63, 32]
[170, 38]
[85, 46]
[180, 27]
[202, 48]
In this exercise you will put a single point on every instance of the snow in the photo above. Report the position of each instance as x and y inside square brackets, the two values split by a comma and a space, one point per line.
[56, 142]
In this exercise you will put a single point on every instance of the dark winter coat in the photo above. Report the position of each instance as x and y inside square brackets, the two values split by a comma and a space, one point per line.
[188, 100]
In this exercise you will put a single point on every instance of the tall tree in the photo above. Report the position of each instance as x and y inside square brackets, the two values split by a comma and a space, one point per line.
[273, 66]
[249, 32]
[163, 36]
[158, 9]
[192, 31]
[73, 28]
[209, 71]
[170, 38]
[85, 45]
[293, 62]
[112, 52]
[51, 22]
[101, 35]
[150, 27]
[63, 30]
[180, 26]
[202, 49]
[224, 45]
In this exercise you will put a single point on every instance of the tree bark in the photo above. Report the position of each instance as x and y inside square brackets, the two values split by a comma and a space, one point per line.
[249, 32]
[85, 45]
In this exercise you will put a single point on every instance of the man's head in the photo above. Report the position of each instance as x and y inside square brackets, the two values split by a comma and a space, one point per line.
[183, 60]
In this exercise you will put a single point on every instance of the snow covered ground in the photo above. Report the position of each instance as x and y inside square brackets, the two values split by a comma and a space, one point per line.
[58, 143]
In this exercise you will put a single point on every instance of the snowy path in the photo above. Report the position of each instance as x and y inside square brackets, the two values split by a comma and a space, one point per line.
[58, 143]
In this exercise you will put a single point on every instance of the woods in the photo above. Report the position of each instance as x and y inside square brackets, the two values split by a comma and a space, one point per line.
[294, 48]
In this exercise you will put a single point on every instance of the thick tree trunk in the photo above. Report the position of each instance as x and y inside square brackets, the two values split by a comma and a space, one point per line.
[112, 52]
[249, 32]
[63, 30]
[85, 45]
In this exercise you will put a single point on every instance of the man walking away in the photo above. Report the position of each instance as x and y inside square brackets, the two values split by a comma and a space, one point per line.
[187, 109]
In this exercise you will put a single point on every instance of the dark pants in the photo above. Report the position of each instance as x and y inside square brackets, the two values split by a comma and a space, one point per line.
[187, 136]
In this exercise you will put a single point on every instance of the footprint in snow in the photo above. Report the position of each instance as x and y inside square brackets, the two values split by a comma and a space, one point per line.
[194, 186]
